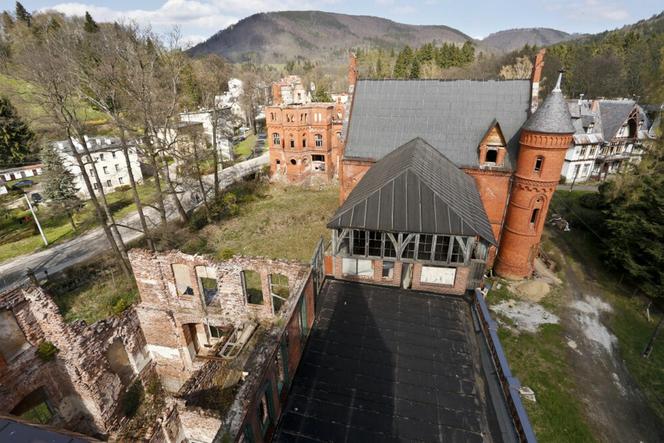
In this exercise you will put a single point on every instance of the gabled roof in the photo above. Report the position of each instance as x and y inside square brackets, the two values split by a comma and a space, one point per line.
[613, 114]
[417, 189]
[452, 115]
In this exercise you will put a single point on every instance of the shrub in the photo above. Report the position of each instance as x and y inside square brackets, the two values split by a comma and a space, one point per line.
[120, 305]
[562, 180]
[47, 351]
[133, 398]
[226, 254]
[123, 188]
[198, 220]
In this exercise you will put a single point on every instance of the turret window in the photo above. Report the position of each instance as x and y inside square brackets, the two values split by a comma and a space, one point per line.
[538, 163]
[534, 216]
[491, 156]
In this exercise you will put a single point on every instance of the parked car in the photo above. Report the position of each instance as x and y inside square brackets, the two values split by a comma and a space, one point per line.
[22, 184]
[36, 197]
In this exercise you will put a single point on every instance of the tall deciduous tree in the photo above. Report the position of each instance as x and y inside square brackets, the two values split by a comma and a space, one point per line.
[59, 183]
[16, 138]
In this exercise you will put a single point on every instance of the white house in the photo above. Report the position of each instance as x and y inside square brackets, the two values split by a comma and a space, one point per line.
[108, 159]
[225, 128]
[587, 141]
[18, 173]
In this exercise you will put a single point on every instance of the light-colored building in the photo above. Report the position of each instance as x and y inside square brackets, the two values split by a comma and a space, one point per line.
[224, 131]
[290, 91]
[108, 159]
[18, 173]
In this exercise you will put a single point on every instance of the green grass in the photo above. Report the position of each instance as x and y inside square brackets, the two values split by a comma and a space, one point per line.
[18, 236]
[245, 147]
[283, 222]
[540, 362]
[93, 291]
[39, 414]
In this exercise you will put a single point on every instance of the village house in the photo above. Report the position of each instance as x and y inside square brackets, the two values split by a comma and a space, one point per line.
[20, 172]
[107, 157]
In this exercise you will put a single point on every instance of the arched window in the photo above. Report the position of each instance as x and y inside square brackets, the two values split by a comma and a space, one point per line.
[276, 139]
[292, 141]
[304, 140]
[319, 140]
[536, 212]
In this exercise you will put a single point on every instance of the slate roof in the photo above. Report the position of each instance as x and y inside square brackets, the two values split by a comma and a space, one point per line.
[415, 188]
[552, 116]
[17, 431]
[613, 114]
[452, 115]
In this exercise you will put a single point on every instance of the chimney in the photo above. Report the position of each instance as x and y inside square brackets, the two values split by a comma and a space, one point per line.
[352, 72]
[276, 94]
[535, 80]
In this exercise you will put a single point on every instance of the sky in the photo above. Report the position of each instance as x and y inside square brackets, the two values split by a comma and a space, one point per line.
[199, 19]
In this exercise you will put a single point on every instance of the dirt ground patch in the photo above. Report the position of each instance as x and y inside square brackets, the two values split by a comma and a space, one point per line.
[524, 315]
[531, 290]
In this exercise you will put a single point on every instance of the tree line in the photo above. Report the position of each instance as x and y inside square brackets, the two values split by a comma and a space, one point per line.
[141, 82]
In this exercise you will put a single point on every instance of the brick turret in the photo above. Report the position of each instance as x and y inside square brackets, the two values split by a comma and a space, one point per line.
[543, 143]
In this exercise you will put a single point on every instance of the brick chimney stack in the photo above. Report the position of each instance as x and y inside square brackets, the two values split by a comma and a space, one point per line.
[535, 80]
[352, 72]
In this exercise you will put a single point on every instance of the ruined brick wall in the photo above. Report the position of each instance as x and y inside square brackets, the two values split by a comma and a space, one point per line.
[164, 312]
[83, 382]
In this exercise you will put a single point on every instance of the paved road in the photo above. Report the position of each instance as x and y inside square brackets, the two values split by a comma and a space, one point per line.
[82, 248]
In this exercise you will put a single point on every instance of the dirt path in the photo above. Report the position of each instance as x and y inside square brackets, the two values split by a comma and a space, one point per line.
[616, 408]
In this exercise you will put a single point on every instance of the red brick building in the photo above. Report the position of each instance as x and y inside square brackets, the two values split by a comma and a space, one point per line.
[488, 130]
[304, 137]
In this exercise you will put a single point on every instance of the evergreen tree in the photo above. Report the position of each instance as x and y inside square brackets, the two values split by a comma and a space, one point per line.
[22, 14]
[59, 184]
[90, 24]
[415, 69]
[379, 67]
[402, 65]
[321, 95]
[16, 138]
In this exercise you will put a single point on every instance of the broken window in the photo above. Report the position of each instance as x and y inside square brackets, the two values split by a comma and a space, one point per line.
[13, 340]
[491, 155]
[425, 247]
[238, 338]
[216, 332]
[35, 408]
[359, 242]
[318, 158]
[253, 288]
[207, 283]
[442, 248]
[344, 243]
[457, 253]
[375, 243]
[279, 291]
[183, 283]
[389, 250]
[388, 269]
[118, 360]
[276, 139]
[538, 163]
[409, 249]
[319, 140]
[360, 268]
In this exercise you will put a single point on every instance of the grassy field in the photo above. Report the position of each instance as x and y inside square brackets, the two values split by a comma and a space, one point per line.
[245, 147]
[540, 362]
[279, 222]
[19, 235]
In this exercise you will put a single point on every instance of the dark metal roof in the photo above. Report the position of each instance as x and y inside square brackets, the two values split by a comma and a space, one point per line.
[613, 114]
[18, 431]
[391, 365]
[552, 116]
[415, 188]
[451, 115]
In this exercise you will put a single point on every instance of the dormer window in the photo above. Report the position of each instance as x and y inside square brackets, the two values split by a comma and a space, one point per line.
[491, 155]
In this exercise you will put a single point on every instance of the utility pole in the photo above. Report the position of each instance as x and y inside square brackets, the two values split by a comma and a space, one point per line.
[36, 219]
[576, 174]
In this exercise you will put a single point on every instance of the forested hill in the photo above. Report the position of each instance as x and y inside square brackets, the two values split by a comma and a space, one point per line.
[277, 37]
[626, 62]
[513, 39]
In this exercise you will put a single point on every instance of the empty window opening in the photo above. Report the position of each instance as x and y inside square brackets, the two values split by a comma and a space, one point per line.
[457, 253]
[355, 267]
[236, 341]
[13, 341]
[191, 338]
[304, 142]
[278, 162]
[207, 283]
[293, 161]
[491, 156]
[35, 408]
[318, 158]
[183, 283]
[534, 216]
[388, 269]
[292, 141]
[118, 360]
[425, 247]
[279, 291]
[538, 163]
[319, 140]
[108, 183]
[253, 288]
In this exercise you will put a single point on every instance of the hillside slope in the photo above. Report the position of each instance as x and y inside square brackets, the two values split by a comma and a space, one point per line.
[514, 39]
[280, 36]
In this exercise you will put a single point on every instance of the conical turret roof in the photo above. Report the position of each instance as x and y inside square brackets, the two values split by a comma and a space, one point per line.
[553, 116]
